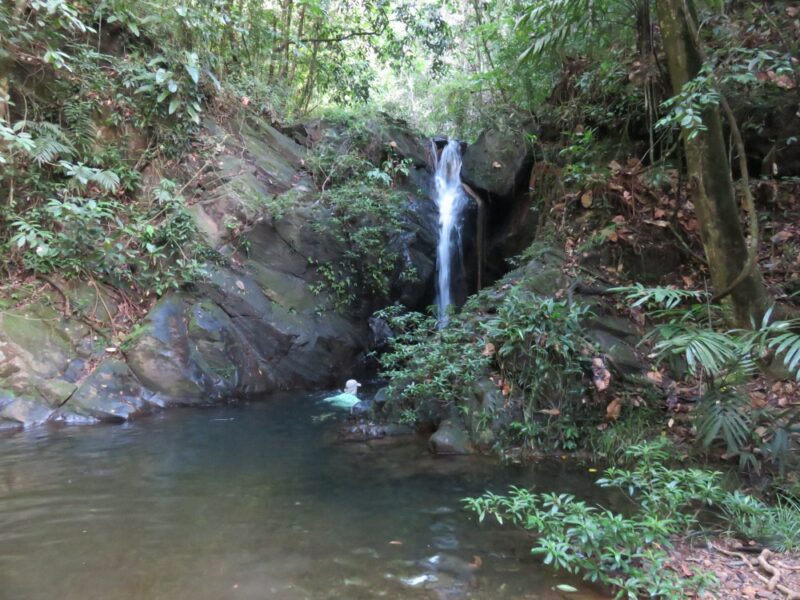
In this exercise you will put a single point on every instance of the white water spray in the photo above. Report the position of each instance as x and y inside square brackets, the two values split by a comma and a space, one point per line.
[451, 200]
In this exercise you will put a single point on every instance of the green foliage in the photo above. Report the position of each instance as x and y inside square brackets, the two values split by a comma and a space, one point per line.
[172, 85]
[426, 364]
[541, 353]
[775, 526]
[629, 551]
[72, 202]
[362, 218]
[722, 359]
[625, 551]
[533, 346]
[638, 422]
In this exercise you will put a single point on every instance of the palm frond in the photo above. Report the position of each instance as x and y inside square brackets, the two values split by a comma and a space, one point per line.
[722, 418]
[108, 180]
[713, 351]
[663, 297]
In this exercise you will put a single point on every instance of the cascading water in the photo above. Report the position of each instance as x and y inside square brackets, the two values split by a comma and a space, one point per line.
[451, 200]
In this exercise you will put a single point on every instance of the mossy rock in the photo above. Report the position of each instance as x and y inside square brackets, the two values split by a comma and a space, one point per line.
[16, 411]
[498, 163]
[160, 355]
[39, 337]
[111, 393]
[450, 438]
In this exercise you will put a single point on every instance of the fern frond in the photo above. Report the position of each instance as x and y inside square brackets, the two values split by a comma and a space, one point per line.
[108, 180]
[787, 345]
[48, 141]
[664, 297]
[47, 150]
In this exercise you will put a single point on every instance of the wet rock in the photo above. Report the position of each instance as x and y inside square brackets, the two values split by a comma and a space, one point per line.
[22, 412]
[447, 563]
[363, 432]
[111, 393]
[36, 340]
[381, 396]
[416, 244]
[619, 352]
[92, 301]
[362, 409]
[160, 354]
[39, 362]
[297, 348]
[498, 163]
[380, 333]
[450, 438]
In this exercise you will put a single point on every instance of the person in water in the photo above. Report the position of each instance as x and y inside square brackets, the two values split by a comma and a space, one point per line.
[348, 398]
[351, 387]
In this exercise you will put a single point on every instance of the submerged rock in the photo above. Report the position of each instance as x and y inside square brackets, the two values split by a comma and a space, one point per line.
[450, 438]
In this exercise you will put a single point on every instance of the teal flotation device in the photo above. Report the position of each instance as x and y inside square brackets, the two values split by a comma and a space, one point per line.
[343, 400]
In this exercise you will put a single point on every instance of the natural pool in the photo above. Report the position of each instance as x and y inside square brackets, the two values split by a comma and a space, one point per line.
[256, 501]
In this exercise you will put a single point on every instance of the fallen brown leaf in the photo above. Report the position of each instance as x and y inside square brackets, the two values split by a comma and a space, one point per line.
[613, 409]
[601, 376]
[655, 377]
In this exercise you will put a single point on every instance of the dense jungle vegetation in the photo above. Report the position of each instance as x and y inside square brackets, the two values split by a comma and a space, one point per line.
[674, 122]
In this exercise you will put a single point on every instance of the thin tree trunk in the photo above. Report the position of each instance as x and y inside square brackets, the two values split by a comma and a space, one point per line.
[300, 26]
[308, 90]
[710, 181]
[287, 32]
[273, 53]
[479, 20]
[6, 64]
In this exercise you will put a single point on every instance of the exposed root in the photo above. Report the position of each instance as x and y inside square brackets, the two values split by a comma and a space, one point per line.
[762, 561]
[772, 570]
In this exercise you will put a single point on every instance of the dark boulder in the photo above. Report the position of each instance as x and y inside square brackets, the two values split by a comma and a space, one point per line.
[498, 164]
[450, 438]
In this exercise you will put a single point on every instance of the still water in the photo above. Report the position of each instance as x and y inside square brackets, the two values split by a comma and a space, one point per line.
[251, 502]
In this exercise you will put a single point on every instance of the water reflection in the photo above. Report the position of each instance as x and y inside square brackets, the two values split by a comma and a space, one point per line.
[254, 502]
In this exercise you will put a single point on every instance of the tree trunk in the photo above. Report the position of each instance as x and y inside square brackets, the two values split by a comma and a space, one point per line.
[300, 27]
[710, 180]
[287, 38]
[273, 57]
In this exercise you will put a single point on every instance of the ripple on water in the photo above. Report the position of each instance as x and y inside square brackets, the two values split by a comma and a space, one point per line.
[253, 502]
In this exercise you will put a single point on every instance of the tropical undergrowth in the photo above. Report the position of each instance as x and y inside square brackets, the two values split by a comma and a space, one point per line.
[628, 549]
[89, 104]
[530, 350]
[690, 336]
[362, 203]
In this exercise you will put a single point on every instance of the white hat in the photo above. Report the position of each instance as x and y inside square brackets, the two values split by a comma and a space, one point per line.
[351, 386]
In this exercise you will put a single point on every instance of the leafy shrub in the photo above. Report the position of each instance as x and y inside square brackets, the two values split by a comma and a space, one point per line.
[428, 364]
[775, 526]
[533, 347]
[630, 551]
[541, 352]
[363, 218]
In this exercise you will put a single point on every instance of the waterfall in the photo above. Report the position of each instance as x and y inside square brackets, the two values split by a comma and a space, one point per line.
[451, 200]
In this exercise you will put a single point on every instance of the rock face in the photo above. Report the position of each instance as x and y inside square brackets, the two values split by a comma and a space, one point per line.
[498, 164]
[498, 168]
[255, 325]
